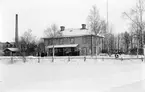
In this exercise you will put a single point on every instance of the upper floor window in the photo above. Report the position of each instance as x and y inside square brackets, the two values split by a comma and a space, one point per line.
[66, 40]
[100, 40]
[61, 41]
[55, 41]
[72, 40]
[50, 42]
[84, 40]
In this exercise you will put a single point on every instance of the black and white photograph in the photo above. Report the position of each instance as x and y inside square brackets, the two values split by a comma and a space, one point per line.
[72, 45]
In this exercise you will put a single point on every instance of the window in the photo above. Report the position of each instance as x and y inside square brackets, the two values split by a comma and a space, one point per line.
[98, 41]
[84, 40]
[50, 51]
[61, 41]
[84, 51]
[46, 42]
[94, 50]
[99, 50]
[89, 50]
[54, 41]
[50, 42]
[72, 41]
[66, 40]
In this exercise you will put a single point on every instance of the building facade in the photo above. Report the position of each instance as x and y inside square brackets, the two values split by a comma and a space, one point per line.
[79, 41]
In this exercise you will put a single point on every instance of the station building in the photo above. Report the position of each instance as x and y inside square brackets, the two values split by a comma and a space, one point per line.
[74, 42]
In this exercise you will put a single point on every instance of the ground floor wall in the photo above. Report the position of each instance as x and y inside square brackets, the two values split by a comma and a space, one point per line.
[95, 50]
[68, 51]
[79, 51]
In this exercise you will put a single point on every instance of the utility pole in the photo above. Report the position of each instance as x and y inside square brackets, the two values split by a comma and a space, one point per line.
[107, 16]
[107, 26]
[16, 31]
[53, 50]
[118, 43]
[141, 14]
[91, 46]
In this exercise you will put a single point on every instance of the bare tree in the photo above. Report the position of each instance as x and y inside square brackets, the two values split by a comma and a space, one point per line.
[110, 40]
[94, 21]
[98, 25]
[27, 37]
[27, 44]
[52, 32]
[135, 16]
[126, 38]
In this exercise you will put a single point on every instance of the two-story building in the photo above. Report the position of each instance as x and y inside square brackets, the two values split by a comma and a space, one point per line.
[79, 41]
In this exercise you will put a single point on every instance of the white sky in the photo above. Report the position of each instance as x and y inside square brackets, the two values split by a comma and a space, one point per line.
[40, 14]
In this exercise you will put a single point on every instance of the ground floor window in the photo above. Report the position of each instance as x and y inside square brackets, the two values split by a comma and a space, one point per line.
[84, 51]
[94, 50]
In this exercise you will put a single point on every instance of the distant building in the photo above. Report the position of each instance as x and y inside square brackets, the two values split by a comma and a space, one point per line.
[79, 41]
[1, 48]
[9, 48]
[9, 45]
[11, 51]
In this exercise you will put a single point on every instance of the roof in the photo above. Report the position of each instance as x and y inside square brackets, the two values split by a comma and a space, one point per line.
[9, 42]
[12, 49]
[76, 32]
[61, 46]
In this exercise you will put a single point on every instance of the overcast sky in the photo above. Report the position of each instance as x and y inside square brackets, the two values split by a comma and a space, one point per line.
[40, 14]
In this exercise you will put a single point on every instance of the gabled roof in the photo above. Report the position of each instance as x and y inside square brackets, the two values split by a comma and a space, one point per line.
[12, 49]
[10, 43]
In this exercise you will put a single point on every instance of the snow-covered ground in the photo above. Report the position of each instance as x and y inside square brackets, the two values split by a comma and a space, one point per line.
[93, 75]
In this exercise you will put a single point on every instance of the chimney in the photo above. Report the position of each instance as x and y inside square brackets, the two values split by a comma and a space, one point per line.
[16, 31]
[83, 26]
[62, 28]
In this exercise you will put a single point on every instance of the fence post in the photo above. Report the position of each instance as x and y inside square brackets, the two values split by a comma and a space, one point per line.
[144, 53]
[142, 59]
[84, 59]
[121, 59]
[12, 59]
[38, 59]
[68, 58]
[103, 58]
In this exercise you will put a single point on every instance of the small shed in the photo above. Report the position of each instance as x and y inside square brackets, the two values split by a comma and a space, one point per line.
[11, 51]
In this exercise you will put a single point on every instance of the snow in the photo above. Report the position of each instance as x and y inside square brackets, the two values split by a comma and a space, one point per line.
[61, 46]
[76, 32]
[93, 75]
